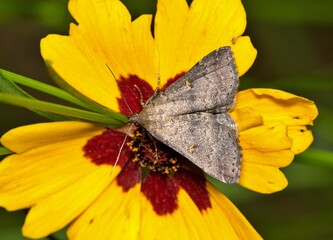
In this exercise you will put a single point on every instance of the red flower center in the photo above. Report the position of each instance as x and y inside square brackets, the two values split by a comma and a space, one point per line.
[168, 171]
[152, 154]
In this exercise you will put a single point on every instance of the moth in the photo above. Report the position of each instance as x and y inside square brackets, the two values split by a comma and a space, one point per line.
[192, 116]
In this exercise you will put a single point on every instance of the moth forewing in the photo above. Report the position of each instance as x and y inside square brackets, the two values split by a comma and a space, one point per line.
[193, 113]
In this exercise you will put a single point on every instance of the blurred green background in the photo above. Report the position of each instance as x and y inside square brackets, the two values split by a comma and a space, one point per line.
[294, 40]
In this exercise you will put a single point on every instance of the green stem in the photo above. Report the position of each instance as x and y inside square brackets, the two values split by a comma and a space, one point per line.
[43, 87]
[91, 105]
[8, 85]
[59, 109]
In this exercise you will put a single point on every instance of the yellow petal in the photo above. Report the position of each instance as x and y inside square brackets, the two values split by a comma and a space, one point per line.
[261, 178]
[114, 215]
[268, 147]
[244, 54]
[28, 137]
[278, 106]
[241, 226]
[221, 221]
[246, 118]
[279, 158]
[302, 138]
[265, 149]
[265, 138]
[59, 209]
[27, 178]
[129, 215]
[178, 221]
[105, 38]
[185, 35]
[187, 222]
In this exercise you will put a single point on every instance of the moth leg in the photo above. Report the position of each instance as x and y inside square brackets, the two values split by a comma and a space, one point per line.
[153, 140]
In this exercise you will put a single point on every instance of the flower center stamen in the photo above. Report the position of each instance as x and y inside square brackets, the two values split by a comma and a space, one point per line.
[152, 154]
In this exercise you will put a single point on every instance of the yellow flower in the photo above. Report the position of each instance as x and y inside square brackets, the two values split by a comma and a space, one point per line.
[272, 129]
[62, 170]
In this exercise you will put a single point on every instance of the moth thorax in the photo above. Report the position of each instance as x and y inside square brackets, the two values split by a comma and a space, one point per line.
[135, 118]
[152, 154]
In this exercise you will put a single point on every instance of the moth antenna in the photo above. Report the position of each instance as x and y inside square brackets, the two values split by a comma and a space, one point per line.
[158, 82]
[158, 74]
[155, 92]
[141, 96]
[129, 129]
[121, 93]
[121, 149]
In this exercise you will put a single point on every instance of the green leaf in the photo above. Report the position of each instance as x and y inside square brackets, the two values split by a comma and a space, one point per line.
[40, 86]
[59, 109]
[9, 87]
[4, 151]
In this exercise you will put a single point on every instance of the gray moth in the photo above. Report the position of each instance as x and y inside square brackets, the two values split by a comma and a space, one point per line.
[192, 116]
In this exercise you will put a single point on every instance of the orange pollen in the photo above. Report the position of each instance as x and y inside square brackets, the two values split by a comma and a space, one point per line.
[152, 154]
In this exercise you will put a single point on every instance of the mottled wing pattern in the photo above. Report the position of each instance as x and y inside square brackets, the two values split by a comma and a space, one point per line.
[208, 140]
[208, 86]
[191, 116]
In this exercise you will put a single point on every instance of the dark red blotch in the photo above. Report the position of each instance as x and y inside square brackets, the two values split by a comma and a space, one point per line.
[133, 90]
[161, 191]
[129, 176]
[104, 148]
[194, 184]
